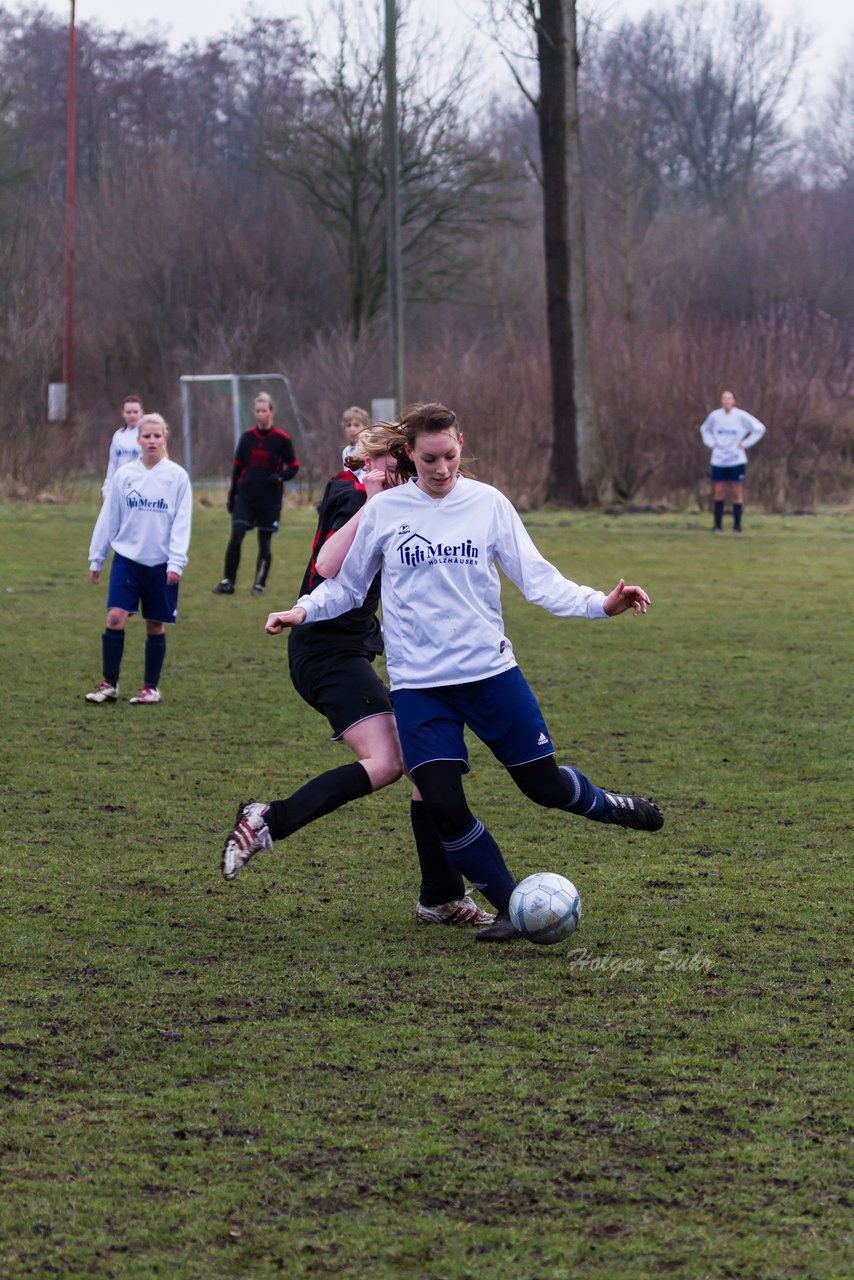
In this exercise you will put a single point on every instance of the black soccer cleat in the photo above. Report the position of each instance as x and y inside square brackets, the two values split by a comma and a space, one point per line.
[501, 929]
[633, 812]
[224, 588]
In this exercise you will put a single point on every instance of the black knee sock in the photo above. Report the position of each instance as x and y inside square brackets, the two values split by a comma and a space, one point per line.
[737, 508]
[232, 553]
[440, 882]
[322, 795]
[262, 568]
[719, 513]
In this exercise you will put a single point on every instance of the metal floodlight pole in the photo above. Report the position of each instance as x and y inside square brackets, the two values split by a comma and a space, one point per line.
[71, 164]
[393, 238]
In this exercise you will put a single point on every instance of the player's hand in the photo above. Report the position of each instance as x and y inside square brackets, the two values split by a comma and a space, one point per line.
[95, 576]
[623, 598]
[374, 482]
[278, 622]
[172, 577]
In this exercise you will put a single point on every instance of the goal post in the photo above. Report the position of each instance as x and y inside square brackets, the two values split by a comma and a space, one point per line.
[235, 386]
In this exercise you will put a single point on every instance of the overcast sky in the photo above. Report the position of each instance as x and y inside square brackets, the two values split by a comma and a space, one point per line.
[832, 20]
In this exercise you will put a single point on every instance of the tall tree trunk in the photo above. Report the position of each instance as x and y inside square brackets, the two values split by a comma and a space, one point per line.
[563, 483]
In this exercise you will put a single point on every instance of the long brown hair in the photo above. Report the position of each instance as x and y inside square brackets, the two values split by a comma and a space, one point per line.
[418, 420]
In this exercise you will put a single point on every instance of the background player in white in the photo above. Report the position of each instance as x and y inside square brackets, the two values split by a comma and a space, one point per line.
[124, 446]
[353, 422]
[728, 432]
[145, 518]
[437, 539]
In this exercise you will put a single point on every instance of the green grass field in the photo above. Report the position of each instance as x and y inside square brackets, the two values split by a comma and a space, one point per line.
[285, 1076]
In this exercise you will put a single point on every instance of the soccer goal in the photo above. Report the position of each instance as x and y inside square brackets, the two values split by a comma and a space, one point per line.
[217, 407]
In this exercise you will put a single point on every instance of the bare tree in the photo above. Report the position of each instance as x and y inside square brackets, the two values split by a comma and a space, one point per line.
[831, 138]
[714, 87]
[333, 149]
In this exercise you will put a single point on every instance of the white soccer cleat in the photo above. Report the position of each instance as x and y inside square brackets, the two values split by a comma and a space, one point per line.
[146, 694]
[459, 911]
[103, 692]
[250, 836]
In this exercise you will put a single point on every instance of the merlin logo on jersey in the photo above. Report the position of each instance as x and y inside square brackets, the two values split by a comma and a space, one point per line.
[418, 550]
[137, 502]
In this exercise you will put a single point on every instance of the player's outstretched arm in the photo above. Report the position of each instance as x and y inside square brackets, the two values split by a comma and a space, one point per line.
[623, 598]
[279, 622]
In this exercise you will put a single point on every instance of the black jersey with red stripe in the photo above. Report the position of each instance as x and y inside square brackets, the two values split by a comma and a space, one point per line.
[263, 461]
[358, 630]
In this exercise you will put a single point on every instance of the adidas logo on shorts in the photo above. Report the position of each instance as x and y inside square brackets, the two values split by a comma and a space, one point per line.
[542, 741]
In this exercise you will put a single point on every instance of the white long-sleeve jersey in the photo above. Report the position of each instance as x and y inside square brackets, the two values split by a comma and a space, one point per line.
[441, 594]
[728, 433]
[124, 448]
[146, 516]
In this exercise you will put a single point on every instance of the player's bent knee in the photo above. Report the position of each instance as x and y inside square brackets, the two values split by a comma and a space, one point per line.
[382, 771]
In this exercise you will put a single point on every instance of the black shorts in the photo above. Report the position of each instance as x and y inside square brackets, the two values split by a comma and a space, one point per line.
[342, 686]
[258, 513]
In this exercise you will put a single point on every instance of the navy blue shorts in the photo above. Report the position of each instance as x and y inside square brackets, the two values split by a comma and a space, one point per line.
[132, 583]
[501, 710]
[258, 513]
[342, 686]
[730, 475]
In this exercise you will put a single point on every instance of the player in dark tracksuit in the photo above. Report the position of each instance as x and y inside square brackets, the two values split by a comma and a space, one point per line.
[264, 460]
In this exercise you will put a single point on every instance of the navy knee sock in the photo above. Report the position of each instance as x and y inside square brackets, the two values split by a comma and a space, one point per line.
[737, 508]
[112, 648]
[155, 652]
[322, 795]
[479, 858]
[719, 514]
[587, 800]
[440, 882]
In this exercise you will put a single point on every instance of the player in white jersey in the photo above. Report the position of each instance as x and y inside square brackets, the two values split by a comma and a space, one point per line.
[124, 446]
[729, 432]
[437, 539]
[353, 422]
[145, 518]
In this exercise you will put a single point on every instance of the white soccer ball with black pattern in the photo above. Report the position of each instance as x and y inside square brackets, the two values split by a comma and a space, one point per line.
[545, 907]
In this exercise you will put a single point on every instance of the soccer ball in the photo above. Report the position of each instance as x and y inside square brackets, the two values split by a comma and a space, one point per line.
[545, 907]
